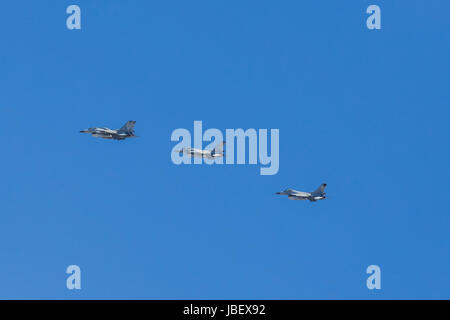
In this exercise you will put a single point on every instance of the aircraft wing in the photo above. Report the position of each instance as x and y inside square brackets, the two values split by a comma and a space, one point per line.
[300, 194]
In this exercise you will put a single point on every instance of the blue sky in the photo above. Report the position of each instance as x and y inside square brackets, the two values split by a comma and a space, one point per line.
[365, 111]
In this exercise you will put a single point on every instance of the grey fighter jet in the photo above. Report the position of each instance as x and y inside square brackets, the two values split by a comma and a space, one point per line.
[292, 194]
[217, 152]
[127, 131]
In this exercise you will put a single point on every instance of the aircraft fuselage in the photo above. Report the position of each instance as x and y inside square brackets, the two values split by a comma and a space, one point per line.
[106, 133]
[198, 153]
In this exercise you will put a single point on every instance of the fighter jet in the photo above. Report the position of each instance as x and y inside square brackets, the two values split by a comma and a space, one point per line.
[217, 152]
[127, 131]
[292, 194]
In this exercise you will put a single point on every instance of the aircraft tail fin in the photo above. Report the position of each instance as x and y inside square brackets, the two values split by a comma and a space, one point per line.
[320, 190]
[128, 127]
[219, 148]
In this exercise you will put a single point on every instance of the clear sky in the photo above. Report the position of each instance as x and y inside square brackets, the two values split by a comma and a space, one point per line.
[365, 111]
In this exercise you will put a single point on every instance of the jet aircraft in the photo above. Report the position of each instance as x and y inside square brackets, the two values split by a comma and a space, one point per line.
[292, 194]
[127, 131]
[217, 152]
